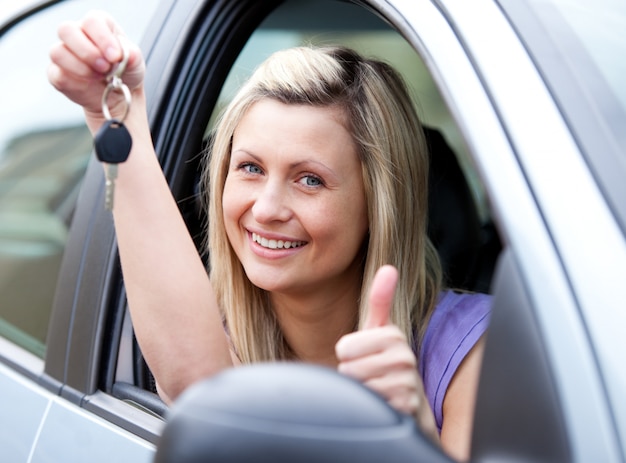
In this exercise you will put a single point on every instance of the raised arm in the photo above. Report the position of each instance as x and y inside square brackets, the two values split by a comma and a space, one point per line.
[174, 311]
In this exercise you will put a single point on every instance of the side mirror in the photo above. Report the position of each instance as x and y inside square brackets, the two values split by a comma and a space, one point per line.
[288, 412]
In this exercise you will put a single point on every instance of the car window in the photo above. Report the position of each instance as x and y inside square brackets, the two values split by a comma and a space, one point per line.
[452, 175]
[44, 150]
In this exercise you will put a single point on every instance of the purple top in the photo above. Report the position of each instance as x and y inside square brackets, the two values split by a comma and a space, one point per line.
[455, 326]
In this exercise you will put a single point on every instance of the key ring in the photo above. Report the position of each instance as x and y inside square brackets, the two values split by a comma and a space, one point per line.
[114, 82]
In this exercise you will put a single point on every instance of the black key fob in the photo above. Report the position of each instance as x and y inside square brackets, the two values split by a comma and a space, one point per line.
[113, 142]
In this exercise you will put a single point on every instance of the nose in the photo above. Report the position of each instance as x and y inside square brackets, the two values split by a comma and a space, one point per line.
[271, 204]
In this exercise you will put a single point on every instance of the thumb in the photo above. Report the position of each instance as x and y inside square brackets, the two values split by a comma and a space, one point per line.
[381, 297]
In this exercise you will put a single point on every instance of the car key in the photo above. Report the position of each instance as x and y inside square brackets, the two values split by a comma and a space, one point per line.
[113, 142]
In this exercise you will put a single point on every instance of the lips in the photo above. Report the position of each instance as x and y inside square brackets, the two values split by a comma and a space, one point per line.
[276, 244]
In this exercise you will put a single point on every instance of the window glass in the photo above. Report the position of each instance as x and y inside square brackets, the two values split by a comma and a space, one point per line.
[328, 22]
[44, 150]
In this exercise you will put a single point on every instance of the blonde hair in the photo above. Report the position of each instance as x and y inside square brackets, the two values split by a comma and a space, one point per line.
[394, 159]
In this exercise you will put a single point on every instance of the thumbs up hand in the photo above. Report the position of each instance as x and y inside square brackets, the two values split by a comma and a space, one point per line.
[380, 357]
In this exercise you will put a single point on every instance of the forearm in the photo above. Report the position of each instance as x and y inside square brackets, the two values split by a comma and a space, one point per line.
[174, 311]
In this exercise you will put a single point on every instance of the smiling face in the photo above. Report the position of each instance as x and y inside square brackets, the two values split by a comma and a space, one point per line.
[294, 203]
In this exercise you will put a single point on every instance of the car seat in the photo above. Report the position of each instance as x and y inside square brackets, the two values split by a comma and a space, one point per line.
[466, 247]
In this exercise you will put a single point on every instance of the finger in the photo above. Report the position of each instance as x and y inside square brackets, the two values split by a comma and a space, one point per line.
[55, 77]
[69, 85]
[77, 43]
[103, 32]
[401, 390]
[379, 365]
[381, 297]
[405, 403]
[363, 343]
[135, 68]
[72, 65]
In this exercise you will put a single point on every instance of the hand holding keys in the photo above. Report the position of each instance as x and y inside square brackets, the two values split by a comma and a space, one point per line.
[113, 141]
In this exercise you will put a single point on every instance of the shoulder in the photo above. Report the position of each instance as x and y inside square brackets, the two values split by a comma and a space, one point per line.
[459, 308]
[457, 323]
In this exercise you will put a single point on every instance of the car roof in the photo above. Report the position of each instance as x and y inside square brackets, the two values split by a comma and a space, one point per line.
[10, 11]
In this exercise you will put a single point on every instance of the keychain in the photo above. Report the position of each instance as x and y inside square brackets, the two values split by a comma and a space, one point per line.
[113, 141]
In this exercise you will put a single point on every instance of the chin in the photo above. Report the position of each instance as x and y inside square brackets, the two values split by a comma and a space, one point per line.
[266, 280]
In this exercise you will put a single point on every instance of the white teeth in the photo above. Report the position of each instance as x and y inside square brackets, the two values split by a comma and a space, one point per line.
[275, 244]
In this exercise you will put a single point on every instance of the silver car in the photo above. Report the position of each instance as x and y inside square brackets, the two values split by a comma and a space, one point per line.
[525, 105]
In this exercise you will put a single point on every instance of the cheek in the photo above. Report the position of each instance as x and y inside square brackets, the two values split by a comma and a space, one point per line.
[345, 223]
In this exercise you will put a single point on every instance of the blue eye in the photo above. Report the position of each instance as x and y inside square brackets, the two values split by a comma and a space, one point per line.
[311, 181]
[251, 168]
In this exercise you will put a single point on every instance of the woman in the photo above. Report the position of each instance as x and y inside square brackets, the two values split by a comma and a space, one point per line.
[317, 179]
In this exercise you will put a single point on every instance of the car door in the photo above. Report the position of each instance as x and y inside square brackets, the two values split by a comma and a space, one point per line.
[561, 376]
[547, 388]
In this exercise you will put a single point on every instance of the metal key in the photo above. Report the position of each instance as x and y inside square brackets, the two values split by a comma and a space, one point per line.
[110, 172]
[113, 141]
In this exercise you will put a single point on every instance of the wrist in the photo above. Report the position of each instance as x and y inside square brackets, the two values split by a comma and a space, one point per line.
[119, 109]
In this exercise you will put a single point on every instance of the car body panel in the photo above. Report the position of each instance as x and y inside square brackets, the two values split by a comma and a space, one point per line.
[69, 433]
[23, 410]
[38, 426]
[574, 211]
